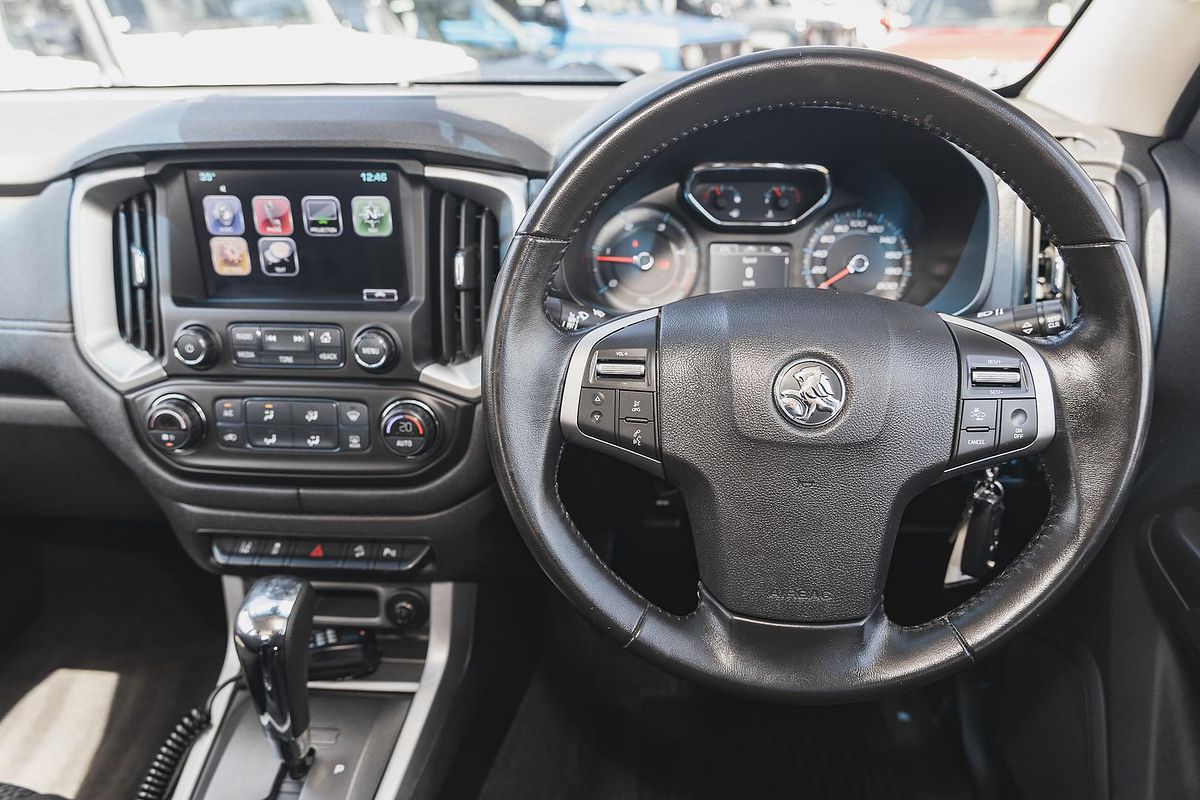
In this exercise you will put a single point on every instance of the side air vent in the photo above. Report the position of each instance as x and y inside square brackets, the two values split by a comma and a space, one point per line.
[468, 258]
[135, 268]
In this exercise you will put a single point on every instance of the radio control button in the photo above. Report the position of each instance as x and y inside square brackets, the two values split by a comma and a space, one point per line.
[244, 336]
[327, 337]
[286, 359]
[196, 347]
[285, 340]
[374, 349]
[244, 355]
[328, 356]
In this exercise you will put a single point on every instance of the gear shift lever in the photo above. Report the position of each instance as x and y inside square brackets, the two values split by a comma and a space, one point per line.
[271, 637]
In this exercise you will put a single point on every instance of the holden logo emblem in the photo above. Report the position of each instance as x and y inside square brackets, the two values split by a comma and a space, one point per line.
[809, 392]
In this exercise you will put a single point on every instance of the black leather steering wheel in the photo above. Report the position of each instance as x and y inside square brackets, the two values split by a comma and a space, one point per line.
[795, 510]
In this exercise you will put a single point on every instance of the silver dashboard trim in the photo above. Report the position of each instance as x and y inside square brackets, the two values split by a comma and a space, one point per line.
[755, 166]
[1043, 389]
[568, 413]
[94, 198]
[507, 195]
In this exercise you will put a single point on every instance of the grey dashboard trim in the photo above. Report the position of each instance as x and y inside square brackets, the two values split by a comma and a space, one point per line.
[93, 295]
[1043, 389]
[505, 194]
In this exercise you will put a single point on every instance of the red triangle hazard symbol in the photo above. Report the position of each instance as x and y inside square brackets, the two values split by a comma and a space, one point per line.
[317, 552]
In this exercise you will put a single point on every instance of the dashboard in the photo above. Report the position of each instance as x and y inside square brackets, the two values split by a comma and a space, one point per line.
[846, 211]
[276, 330]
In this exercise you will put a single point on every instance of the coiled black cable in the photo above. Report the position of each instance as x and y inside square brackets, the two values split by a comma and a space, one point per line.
[160, 778]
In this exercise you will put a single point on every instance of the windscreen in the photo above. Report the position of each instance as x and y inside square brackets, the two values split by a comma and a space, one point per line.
[91, 43]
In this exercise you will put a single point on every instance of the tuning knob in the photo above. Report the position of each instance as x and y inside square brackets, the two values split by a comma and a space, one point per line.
[196, 346]
[175, 423]
[374, 349]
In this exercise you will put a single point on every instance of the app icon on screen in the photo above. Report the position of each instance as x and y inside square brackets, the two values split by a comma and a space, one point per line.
[230, 255]
[277, 257]
[372, 215]
[223, 215]
[322, 215]
[272, 215]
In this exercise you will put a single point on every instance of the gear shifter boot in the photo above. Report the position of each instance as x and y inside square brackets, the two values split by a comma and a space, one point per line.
[271, 634]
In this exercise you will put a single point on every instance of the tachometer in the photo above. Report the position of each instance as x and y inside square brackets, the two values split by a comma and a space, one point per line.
[859, 250]
[643, 257]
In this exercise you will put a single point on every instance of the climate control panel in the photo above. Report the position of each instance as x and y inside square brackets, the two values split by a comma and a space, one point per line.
[300, 427]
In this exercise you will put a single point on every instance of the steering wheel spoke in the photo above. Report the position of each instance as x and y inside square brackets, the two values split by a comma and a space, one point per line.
[609, 401]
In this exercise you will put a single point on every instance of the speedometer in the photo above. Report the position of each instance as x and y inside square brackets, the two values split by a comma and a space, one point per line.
[858, 250]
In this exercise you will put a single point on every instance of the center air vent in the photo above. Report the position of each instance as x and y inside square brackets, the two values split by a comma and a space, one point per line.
[136, 273]
[468, 258]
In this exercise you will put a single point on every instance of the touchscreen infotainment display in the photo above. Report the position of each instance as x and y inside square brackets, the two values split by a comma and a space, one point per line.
[299, 236]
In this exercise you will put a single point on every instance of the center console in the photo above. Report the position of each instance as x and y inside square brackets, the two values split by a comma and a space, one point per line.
[296, 346]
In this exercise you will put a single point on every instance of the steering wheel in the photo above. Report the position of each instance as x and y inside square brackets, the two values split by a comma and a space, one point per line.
[799, 423]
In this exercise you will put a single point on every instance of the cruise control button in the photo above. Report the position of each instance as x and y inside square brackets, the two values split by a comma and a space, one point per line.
[314, 413]
[231, 436]
[229, 410]
[285, 340]
[638, 437]
[269, 437]
[978, 414]
[268, 412]
[637, 405]
[1018, 423]
[598, 413]
[974, 445]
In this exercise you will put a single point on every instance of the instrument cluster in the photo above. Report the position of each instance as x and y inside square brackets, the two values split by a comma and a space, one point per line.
[746, 225]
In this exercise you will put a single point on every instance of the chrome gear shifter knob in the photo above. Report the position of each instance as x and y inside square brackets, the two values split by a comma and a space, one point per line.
[270, 634]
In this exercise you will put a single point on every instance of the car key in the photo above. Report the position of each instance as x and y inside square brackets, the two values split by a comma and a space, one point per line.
[977, 534]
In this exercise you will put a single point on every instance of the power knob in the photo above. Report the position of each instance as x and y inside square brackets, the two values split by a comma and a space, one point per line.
[195, 346]
[175, 423]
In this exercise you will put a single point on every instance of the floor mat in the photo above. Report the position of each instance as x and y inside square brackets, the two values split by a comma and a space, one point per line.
[118, 636]
[597, 722]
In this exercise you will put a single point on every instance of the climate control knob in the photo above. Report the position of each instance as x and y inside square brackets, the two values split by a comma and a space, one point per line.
[409, 427]
[175, 423]
[196, 346]
[374, 349]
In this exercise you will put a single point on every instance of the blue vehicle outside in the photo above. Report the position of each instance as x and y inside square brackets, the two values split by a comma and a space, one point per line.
[640, 37]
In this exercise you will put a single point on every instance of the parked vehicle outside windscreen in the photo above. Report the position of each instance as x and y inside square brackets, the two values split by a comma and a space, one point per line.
[60, 44]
